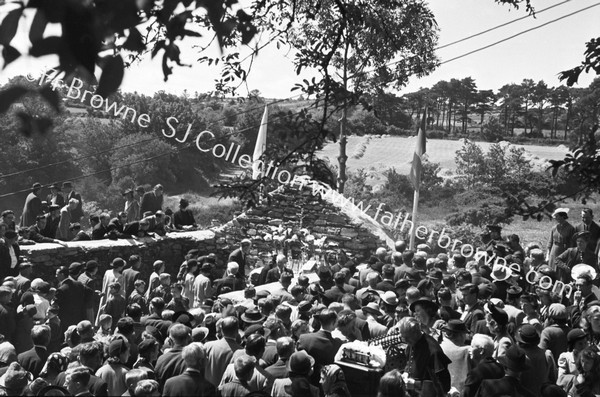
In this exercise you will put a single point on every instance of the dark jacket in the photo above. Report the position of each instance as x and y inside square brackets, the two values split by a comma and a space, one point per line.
[33, 360]
[183, 218]
[487, 369]
[36, 235]
[189, 383]
[77, 213]
[99, 232]
[72, 298]
[506, 386]
[151, 202]
[31, 209]
[97, 386]
[130, 275]
[238, 257]
[170, 364]
[5, 260]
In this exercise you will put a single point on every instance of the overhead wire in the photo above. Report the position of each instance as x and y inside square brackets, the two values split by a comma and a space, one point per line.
[286, 99]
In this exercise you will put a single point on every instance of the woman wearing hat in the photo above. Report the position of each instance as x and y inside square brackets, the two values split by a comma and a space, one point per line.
[561, 236]
[567, 361]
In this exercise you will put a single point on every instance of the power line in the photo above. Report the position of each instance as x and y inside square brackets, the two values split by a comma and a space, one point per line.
[353, 76]
[501, 25]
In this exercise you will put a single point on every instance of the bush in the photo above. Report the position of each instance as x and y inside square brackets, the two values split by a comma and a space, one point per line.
[480, 206]
[205, 209]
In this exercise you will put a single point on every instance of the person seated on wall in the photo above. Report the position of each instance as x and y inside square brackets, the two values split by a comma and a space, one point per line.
[183, 219]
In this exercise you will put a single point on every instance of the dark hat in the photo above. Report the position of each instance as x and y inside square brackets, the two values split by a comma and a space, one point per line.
[263, 293]
[254, 329]
[499, 315]
[576, 334]
[183, 317]
[528, 334]
[53, 390]
[412, 275]
[67, 184]
[500, 273]
[147, 344]
[199, 334]
[252, 316]
[339, 277]
[444, 294]
[372, 308]
[116, 347]
[300, 363]
[304, 306]
[377, 266]
[425, 303]
[183, 202]
[10, 234]
[53, 207]
[75, 267]
[515, 359]
[455, 326]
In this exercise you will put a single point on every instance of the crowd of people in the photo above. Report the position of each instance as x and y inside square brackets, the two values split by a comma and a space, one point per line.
[448, 325]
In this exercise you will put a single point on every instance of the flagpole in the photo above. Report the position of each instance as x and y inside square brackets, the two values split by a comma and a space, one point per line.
[415, 211]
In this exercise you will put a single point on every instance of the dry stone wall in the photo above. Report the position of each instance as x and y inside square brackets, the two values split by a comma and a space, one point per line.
[289, 206]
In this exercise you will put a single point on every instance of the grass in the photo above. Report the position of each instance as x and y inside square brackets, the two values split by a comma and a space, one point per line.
[205, 208]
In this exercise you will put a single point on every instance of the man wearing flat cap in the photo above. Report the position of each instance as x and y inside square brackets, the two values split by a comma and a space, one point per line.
[32, 207]
[561, 236]
[574, 256]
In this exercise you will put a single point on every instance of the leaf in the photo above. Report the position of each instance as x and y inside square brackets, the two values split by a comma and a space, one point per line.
[112, 76]
[9, 54]
[46, 46]
[38, 26]
[157, 47]
[9, 25]
[134, 41]
[10, 96]
[50, 95]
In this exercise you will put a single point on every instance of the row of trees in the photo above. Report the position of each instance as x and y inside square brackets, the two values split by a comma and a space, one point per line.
[531, 106]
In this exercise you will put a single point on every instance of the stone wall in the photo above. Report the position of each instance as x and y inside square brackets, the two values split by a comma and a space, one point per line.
[292, 206]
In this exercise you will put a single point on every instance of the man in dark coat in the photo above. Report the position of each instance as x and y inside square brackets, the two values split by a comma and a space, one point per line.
[184, 216]
[71, 296]
[483, 364]
[220, 352]
[230, 281]
[335, 293]
[192, 381]
[321, 345]
[574, 256]
[55, 197]
[90, 356]
[473, 308]
[33, 360]
[515, 362]
[9, 254]
[171, 363]
[588, 225]
[152, 201]
[35, 232]
[155, 320]
[137, 228]
[130, 274]
[77, 213]
[32, 207]
[101, 229]
[7, 313]
[240, 255]
[52, 222]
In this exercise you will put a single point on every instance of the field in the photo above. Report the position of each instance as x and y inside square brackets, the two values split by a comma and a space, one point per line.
[382, 153]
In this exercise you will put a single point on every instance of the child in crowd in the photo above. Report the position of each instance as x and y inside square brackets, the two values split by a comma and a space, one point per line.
[116, 304]
[103, 334]
[137, 296]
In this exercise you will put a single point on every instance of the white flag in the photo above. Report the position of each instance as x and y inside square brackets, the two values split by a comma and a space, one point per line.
[260, 147]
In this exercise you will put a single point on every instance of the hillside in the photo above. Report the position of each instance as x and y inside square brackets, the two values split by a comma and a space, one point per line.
[380, 153]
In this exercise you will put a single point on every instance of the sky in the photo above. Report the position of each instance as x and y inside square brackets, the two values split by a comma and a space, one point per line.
[539, 55]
